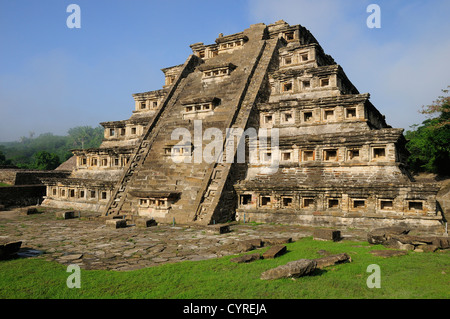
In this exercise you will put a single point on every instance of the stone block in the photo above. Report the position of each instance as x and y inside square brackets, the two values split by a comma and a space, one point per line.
[218, 229]
[416, 243]
[116, 223]
[426, 248]
[430, 248]
[246, 258]
[420, 240]
[445, 242]
[396, 244]
[332, 260]
[144, 223]
[442, 242]
[65, 215]
[257, 243]
[276, 241]
[388, 253]
[245, 246]
[9, 248]
[250, 244]
[293, 269]
[326, 234]
[31, 211]
[70, 257]
[380, 235]
[274, 251]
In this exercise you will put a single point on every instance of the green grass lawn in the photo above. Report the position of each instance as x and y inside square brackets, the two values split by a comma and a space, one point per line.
[415, 275]
[4, 184]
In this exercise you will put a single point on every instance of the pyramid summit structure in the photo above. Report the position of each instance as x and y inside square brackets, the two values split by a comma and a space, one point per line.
[338, 163]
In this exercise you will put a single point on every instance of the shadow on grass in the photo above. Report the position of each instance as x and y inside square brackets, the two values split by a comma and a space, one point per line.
[318, 272]
[24, 252]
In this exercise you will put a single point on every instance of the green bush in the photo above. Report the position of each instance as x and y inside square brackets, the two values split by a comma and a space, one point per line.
[429, 143]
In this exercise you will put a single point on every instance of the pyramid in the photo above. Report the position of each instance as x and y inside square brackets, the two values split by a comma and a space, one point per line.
[260, 126]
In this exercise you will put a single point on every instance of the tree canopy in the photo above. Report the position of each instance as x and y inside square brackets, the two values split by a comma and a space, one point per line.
[429, 143]
[47, 151]
[3, 160]
[85, 137]
[44, 160]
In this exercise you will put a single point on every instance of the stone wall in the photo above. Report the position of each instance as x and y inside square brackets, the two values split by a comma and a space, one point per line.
[431, 224]
[443, 197]
[94, 206]
[21, 195]
[8, 176]
[28, 177]
[80, 194]
[361, 207]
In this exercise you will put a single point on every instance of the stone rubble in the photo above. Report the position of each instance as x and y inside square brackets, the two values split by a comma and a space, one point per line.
[293, 269]
[398, 238]
[331, 260]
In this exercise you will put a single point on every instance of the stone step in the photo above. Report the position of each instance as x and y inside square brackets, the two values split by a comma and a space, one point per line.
[274, 251]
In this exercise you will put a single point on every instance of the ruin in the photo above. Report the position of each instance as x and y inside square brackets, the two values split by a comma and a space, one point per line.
[338, 162]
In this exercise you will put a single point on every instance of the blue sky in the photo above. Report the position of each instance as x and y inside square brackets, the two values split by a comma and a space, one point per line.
[53, 78]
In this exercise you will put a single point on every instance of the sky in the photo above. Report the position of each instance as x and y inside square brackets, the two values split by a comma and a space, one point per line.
[53, 77]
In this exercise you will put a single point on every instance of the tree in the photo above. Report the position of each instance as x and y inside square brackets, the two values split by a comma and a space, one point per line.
[46, 161]
[429, 143]
[3, 160]
[85, 137]
[79, 135]
[23, 154]
[441, 107]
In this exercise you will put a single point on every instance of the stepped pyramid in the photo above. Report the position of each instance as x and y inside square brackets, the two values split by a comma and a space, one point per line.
[337, 161]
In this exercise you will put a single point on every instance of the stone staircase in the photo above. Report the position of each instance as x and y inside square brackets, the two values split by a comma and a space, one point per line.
[115, 205]
[201, 185]
[215, 184]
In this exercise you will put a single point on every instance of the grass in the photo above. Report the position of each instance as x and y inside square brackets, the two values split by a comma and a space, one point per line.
[415, 275]
[4, 184]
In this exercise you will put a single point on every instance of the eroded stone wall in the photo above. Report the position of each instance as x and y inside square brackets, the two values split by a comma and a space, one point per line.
[22, 195]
